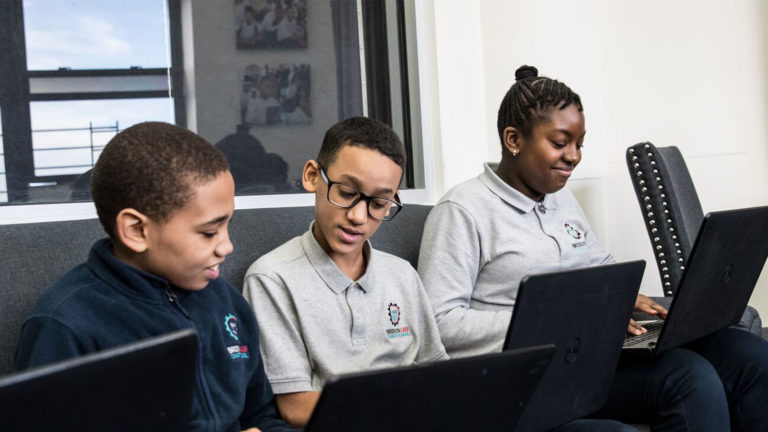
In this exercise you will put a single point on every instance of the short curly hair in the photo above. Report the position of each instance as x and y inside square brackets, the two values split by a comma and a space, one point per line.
[152, 167]
[361, 132]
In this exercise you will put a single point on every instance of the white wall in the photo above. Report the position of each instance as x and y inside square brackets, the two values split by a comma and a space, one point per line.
[461, 86]
[689, 73]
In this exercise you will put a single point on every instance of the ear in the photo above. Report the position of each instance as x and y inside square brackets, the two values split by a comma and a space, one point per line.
[310, 176]
[131, 229]
[512, 140]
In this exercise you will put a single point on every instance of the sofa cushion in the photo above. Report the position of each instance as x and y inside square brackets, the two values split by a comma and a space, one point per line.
[33, 257]
[254, 232]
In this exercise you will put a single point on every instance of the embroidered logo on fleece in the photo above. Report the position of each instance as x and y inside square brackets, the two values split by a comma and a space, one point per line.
[394, 315]
[235, 351]
[230, 321]
[576, 234]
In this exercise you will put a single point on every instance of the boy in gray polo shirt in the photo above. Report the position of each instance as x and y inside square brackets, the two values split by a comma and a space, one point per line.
[327, 302]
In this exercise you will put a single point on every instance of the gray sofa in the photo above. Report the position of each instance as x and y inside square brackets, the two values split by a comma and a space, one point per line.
[34, 255]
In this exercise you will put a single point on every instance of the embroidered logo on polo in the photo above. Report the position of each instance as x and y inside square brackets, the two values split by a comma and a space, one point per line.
[576, 234]
[394, 315]
[235, 351]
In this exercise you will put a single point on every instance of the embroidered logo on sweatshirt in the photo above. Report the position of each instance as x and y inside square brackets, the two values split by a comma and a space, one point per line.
[235, 351]
[576, 234]
[394, 315]
[572, 231]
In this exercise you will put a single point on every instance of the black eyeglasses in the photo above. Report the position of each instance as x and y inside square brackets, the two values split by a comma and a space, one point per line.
[345, 196]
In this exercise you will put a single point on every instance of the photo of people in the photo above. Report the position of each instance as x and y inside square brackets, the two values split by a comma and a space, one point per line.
[275, 94]
[274, 24]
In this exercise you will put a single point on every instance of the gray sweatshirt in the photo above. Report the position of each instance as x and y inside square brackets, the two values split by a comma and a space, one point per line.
[480, 240]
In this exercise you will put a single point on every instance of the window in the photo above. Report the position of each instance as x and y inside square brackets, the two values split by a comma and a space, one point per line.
[72, 82]
[261, 79]
[67, 136]
[352, 63]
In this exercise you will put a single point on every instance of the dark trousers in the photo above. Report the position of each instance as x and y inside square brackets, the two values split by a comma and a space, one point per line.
[595, 425]
[714, 384]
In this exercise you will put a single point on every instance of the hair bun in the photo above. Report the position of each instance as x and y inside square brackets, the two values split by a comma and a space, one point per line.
[525, 71]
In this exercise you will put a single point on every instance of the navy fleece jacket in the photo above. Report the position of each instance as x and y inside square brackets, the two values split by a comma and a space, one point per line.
[105, 302]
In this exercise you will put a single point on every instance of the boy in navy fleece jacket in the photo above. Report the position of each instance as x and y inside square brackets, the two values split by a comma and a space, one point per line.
[165, 197]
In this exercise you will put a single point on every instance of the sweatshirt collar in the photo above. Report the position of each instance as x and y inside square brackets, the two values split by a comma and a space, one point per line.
[510, 195]
[129, 280]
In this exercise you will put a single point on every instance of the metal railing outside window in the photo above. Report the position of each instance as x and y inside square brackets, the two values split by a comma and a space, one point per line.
[92, 148]
[64, 153]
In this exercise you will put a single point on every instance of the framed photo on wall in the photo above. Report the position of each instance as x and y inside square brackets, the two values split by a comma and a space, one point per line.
[271, 24]
[275, 95]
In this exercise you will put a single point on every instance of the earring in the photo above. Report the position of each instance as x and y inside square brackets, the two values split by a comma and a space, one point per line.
[515, 152]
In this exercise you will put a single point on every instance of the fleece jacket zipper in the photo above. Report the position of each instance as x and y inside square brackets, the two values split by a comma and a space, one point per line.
[173, 300]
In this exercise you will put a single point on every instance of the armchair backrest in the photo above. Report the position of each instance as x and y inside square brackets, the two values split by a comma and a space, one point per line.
[670, 207]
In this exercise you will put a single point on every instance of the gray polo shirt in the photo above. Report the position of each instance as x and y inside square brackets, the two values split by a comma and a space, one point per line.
[315, 322]
[479, 241]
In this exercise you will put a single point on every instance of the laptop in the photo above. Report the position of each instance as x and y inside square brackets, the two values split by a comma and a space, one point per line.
[585, 313]
[142, 386]
[717, 282]
[482, 393]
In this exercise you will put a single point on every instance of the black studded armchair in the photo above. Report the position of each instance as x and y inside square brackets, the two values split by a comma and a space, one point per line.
[672, 214]
[670, 207]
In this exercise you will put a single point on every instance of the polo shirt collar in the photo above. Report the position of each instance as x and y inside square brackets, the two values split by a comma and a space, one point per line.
[510, 195]
[329, 272]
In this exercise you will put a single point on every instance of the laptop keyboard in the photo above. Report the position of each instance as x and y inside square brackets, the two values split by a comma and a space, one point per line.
[654, 328]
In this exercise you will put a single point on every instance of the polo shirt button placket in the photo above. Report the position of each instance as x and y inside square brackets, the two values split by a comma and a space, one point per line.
[549, 231]
[355, 301]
